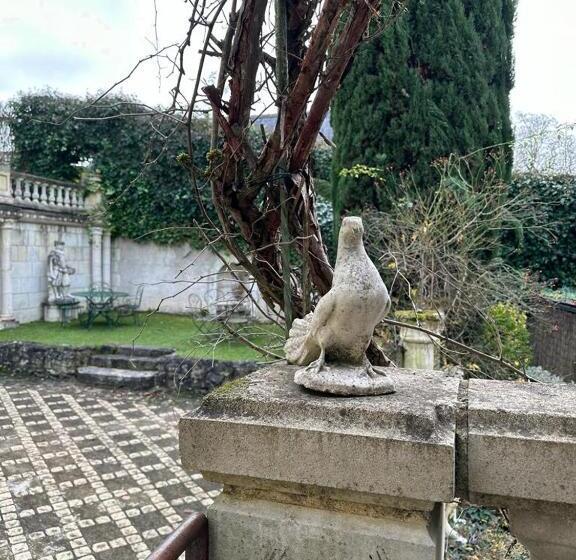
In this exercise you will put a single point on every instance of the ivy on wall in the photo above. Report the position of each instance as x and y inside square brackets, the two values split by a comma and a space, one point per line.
[552, 257]
[148, 194]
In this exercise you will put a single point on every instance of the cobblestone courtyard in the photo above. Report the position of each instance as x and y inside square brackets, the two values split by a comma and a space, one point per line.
[89, 473]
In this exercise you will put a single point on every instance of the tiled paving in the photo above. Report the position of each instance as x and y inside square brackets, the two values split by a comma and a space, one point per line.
[89, 473]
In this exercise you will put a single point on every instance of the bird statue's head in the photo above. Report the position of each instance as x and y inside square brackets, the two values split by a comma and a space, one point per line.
[351, 232]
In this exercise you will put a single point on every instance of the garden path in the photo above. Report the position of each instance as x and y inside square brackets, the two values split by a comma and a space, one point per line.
[90, 474]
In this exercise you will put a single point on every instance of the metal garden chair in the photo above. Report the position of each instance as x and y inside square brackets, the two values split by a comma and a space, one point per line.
[130, 306]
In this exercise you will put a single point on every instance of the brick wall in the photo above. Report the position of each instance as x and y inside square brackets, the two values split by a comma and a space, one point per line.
[554, 339]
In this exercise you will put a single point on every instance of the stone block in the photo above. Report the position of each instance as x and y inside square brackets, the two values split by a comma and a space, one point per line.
[521, 442]
[263, 530]
[269, 428]
[549, 535]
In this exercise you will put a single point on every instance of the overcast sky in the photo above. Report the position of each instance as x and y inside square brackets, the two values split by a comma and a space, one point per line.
[84, 45]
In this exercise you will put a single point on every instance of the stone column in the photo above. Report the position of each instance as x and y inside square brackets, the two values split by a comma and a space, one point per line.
[5, 186]
[7, 319]
[310, 477]
[107, 258]
[96, 254]
[419, 349]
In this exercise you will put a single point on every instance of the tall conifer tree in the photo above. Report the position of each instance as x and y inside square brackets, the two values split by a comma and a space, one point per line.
[435, 83]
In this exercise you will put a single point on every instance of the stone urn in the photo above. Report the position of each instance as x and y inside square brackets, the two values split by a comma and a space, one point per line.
[420, 350]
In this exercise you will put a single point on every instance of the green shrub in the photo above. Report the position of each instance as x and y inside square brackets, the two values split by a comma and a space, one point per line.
[506, 334]
[325, 216]
[148, 193]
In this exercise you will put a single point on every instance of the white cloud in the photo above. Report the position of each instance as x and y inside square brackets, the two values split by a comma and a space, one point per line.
[86, 45]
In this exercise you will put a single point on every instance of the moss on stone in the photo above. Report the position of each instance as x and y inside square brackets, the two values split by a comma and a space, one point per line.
[229, 387]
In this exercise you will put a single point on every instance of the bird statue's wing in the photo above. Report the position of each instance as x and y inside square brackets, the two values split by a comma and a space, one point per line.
[302, 346]
[322, 312]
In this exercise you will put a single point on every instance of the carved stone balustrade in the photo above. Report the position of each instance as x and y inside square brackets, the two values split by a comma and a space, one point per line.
[312, 477]
[30, 190]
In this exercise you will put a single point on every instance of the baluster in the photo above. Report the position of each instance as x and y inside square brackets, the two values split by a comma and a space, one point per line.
[35, 191]
[73, 198]
[51, 194]
[67, 196]
[18, 188]
[44, 193]
[81, 201]
[26, 195]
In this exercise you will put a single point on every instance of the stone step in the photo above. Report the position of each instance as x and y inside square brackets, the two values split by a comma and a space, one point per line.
[140, 351]
[125, 361]
[116, 377]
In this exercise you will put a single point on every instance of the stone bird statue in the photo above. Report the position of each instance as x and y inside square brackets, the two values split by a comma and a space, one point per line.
[332, 340]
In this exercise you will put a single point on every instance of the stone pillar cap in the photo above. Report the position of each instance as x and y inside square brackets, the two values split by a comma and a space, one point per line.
[266, 427]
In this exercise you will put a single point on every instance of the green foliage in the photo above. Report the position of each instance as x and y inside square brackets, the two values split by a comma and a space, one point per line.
[434, 83]
[506, 334]
[147, 191]
[551, 257]
[325, 217]
[480, 533]
[323, 188]
[321, 162]
[360, 170]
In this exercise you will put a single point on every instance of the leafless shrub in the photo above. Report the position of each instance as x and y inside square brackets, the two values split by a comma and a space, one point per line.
[442, 248]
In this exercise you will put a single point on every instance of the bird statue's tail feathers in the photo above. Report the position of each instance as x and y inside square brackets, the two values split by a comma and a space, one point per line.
[299, 348]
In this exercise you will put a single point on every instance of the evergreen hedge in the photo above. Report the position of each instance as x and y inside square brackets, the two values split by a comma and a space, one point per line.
[148, 195]
[552, 257]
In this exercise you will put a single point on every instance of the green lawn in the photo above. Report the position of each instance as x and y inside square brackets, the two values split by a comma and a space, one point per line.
[187, 336]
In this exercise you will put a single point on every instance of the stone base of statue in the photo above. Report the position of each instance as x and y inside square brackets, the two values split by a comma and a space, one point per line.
[317, 477]
[7, 323]
[61, 311]
[344, 380]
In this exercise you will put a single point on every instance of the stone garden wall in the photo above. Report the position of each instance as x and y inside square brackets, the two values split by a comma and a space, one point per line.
[31, 243]
[177, 278]
[170, 274]
[191, 375]
[36, 211]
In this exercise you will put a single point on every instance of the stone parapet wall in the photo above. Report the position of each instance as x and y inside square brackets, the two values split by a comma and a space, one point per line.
[192, 375]
[389, 460]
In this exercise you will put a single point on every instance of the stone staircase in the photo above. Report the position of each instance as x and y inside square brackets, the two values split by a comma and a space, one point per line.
[131, 367]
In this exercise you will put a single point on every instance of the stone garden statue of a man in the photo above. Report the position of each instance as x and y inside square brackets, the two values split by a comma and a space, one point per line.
[58, 274]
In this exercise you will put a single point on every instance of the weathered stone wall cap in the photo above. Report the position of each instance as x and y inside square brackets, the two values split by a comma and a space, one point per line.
[521, 442]
[523, 409]
[422, 409]
[269, 428]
